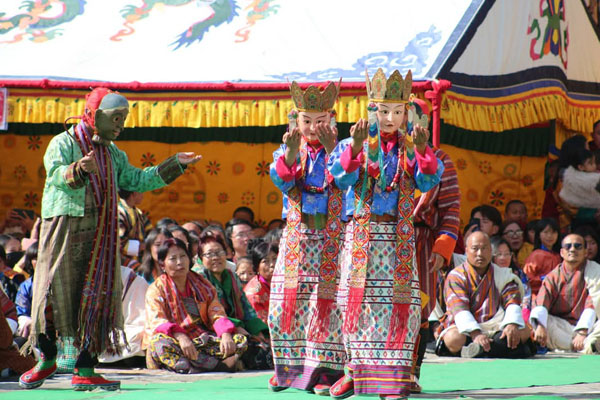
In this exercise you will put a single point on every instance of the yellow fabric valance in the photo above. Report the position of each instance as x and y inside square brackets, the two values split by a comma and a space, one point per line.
[183, 110]
[518, 111]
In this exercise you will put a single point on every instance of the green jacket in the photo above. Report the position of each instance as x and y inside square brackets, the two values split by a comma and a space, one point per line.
[64, 190]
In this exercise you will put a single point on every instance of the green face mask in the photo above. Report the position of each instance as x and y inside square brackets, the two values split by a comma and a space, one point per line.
[111, 115]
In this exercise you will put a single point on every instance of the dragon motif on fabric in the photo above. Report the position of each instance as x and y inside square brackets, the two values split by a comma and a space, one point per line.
[555, 38]
[223, 11]
[39, 19]
[257, 10]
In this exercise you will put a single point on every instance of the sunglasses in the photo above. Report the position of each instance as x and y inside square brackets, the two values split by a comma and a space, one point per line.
[576, 246]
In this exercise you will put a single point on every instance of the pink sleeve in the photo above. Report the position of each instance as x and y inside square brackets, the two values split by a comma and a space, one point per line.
[169, 329]
[351, 164]
[223, 325]
[285, 173]
[427, 162]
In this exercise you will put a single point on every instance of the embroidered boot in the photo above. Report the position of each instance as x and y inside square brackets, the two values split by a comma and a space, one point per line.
[36, 376]
[87, 379]
[273, 386]
[343, 388]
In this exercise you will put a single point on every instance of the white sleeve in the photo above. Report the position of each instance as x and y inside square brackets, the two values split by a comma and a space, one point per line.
[465, 322]
[586, 320]
[539, 314]
[513, 315]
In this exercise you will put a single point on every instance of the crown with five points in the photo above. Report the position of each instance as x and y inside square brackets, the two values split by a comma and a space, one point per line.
[394, 89]
[312, 99]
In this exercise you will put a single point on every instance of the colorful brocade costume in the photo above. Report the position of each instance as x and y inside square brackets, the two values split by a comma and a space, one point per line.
[304, 320]
[379, 285]
[299, 361]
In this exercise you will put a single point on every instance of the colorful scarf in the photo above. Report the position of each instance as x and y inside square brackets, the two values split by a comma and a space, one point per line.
[318, 326]
[100, 316]
[402, 276]
[200, 290]
[232, 294]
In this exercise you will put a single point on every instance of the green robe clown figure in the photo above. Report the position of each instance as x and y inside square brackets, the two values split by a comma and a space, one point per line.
[77, 288]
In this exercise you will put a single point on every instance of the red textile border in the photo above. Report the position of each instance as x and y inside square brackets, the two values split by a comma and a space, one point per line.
[419, 86]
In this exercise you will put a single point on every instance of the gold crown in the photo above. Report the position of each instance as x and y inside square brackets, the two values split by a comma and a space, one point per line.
[393, 90]
[313, 100]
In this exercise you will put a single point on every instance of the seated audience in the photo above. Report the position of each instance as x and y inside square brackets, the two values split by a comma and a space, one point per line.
[244, 213]
[217, 230]
[275, 224]
[150, 269]
[244, 269]
[180, 233]
[25, 292]
[9, 355]
[530, 231]
[186, 325]
[134, 225]
[489, 218]
[546, 255]
[258, 290]
[238, 232]
[565, 307]
[591, 242]
[194, 226]
[513, 233]
[134, 316]
[9, 279]
[236, 304]
[515, 210]
[483, 316]
[503, 257]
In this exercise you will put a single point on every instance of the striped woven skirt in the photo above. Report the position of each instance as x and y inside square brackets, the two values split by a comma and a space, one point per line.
[301, 363]
[375, 368]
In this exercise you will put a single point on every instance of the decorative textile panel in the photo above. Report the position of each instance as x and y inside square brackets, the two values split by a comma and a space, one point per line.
[230, 175]
[496, 179]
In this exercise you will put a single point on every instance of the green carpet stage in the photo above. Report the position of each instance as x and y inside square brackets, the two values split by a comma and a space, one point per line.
[437, 379]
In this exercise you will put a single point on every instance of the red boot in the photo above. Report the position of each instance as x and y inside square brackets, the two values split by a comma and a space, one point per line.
[273, 387]
[321, 389]
[343, 388]
[87, 379]
[36, 376]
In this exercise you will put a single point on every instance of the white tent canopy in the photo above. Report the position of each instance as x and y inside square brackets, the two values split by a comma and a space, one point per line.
[226, 40]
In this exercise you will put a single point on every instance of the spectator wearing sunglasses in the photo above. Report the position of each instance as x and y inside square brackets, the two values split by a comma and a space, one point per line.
[564, 316]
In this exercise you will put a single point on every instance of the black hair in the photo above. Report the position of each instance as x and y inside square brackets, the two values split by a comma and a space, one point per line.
[2, 254]
[497, 241]
[229, 228]
[124, 194]
[165, 222]
[580, 157]
[148, 265]
[246, 210]
[586, 230]
[172, 242]
[510, 203]
[260, 251]
[489, 212]
[4, 239]
[540, 226]
[30, 254]
[569, 150]
[177, 228]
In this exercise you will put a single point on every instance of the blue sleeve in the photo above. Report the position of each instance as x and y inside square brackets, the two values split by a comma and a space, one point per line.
[24, 297]
[280, 183]
[426, 182]
[343, 179]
